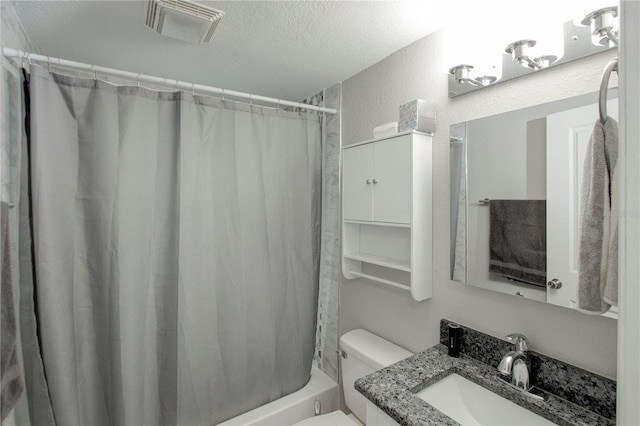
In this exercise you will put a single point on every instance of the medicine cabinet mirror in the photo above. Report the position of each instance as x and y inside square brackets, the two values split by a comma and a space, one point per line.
[535, 153]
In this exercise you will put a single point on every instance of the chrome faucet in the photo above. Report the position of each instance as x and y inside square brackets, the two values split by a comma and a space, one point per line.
[514, 363]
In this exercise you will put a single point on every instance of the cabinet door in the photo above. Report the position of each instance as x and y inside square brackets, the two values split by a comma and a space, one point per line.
[357, 171]
[392, 174]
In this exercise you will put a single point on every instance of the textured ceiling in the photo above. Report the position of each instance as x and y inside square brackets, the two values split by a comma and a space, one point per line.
[284, 49]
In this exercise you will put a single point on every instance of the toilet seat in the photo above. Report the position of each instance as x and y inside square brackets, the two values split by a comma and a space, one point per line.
[334, 418]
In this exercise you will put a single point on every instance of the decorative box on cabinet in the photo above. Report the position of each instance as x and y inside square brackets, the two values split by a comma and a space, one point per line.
[386, 212]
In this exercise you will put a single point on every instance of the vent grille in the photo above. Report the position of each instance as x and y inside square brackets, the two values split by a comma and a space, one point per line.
[158, 10]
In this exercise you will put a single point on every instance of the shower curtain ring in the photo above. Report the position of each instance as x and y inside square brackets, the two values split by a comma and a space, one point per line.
[138, 80]
[193, 89]
[175, 86]
[49, 63]
[250, 99]
[93, 69]
[223, 95]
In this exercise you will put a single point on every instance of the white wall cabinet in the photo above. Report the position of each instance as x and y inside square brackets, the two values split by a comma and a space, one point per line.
[386, 211]
[377, 181]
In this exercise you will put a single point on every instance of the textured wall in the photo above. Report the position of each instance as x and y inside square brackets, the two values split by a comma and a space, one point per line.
[11, 30]
[372, 97]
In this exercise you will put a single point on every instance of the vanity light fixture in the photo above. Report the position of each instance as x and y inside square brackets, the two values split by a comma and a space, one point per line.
[519, 51]
[461, 75]
[602, 23]
[597, 32]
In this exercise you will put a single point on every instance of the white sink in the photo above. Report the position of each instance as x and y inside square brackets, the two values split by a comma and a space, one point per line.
[470, 404]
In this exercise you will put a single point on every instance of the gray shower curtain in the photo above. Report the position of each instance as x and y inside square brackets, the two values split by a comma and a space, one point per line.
[175, 252]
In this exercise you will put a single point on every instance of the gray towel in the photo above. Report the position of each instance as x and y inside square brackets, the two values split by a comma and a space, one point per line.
[11, 381]
[598, 246]
[518, 240]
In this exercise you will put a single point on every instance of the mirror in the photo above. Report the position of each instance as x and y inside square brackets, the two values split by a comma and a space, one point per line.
[534, 155]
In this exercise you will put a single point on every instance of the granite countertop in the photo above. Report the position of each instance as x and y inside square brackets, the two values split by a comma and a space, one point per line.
[393, 390]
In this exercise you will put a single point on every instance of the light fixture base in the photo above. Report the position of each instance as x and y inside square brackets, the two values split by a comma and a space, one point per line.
[545, 60]
[486, 80]
[602, 22]
[461, 75]
[600, 16]
[461, 72]
[519, 51]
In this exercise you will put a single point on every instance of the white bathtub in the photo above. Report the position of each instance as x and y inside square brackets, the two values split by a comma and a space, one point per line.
[294, 407]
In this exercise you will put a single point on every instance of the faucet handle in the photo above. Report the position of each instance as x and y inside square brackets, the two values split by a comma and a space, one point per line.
[520, 340]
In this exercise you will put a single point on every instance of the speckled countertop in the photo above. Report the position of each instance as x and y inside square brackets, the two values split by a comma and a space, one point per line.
[393, 390]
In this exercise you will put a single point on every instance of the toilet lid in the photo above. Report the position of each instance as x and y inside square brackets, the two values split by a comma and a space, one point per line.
[334, 418]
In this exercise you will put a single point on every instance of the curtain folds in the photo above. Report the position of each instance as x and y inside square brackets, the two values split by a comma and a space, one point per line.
[327, 325]
[176, 251]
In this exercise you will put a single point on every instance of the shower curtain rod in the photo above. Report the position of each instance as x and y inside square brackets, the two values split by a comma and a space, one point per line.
[143, 78]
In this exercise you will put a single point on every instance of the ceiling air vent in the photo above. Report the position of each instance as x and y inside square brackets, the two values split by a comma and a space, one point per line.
[183, 20]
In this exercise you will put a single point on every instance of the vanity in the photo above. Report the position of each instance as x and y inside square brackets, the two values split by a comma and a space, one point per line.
[532, 155]
[572, 396]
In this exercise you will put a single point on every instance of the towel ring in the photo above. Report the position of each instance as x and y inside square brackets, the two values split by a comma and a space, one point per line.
[604, 84]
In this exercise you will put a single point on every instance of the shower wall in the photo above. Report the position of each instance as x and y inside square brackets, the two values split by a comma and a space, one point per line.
[325, 356]
[327, 327]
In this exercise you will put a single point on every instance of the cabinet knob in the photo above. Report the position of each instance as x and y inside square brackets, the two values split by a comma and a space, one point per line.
[368, 181]
[375, 181]
[554, 284]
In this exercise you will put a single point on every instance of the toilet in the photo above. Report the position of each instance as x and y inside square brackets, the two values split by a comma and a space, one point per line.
[362, 354]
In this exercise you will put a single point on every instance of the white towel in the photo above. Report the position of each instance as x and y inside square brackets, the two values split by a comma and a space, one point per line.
[597, 286]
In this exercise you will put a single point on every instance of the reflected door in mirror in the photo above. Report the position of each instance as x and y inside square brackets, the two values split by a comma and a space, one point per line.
[568, 135]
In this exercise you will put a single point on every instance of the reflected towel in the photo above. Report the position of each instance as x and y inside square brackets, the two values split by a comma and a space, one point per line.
[518, 240]
[11, 381]
[598, 245]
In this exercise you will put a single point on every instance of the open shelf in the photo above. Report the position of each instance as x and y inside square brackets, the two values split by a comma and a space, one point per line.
[380, 280]
[391, 224]
[387, 262]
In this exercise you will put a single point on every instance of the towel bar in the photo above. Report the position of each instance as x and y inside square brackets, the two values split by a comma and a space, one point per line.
[604, 84]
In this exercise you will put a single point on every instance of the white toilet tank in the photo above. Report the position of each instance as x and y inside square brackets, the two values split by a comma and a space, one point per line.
[366, 353]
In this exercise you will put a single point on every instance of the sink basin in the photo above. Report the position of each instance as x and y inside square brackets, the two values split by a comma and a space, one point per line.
[470, 404]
